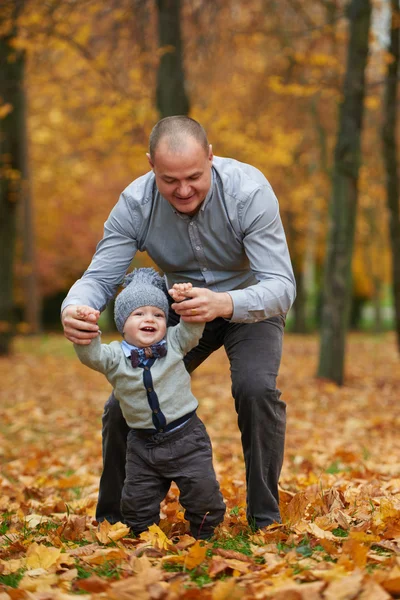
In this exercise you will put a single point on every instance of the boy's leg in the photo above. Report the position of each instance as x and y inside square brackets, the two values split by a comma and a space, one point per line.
[254, 351]
[144, 487]
[200, 495]
[115, 431]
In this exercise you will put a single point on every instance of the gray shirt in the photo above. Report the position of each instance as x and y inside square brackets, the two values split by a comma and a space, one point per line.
[171, 381]
[235, 243]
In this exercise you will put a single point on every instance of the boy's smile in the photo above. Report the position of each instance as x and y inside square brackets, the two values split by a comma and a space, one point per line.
[145, 326]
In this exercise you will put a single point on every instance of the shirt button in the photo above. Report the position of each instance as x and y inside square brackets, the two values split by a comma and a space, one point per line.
[204, 269]
[155, 411]
[149, 389]
[161, 430]
[146, 368]
[198, 248]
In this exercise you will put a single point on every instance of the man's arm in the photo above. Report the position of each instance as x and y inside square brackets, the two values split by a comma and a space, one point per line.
[265, 245]
[100, 281]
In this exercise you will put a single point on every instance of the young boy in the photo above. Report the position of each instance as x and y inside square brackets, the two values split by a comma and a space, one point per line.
[167, 440]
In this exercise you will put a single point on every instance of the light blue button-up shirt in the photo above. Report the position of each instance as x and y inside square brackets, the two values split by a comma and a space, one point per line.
[235, 243]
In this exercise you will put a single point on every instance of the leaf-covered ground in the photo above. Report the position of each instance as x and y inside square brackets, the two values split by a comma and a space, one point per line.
[340, 487]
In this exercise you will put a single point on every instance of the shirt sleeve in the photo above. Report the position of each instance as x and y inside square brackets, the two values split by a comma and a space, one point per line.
[266, 248]
[185, 336]
[112, 258]
[97, 356]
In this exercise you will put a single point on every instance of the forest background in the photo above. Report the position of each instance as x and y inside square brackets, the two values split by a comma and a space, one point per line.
[307, 92]
[264, 78]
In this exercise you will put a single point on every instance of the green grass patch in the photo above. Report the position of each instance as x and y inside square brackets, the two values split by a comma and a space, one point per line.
[340, 532]
[12, 579]
[238, 543]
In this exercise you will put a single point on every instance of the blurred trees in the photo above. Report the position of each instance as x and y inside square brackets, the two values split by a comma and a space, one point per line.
[390, 153]
[337, 281]
[263, 77]
[171, 94]
[13, 159]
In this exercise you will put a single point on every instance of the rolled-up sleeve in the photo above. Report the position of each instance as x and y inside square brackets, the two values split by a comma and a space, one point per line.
[266, 248]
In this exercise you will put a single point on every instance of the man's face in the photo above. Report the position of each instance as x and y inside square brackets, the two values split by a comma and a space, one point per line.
[183, 178]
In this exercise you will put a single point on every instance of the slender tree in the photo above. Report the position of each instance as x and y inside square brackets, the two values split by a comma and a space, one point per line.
[171, 95]
[12, 123]
[343, 207]
[390, 154]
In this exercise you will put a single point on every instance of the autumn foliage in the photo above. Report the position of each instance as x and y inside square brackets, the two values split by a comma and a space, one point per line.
[265, 83]
[340, 487]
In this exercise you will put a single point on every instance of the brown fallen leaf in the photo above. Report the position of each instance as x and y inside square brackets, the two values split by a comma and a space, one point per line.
[108, 533]
[232, 554]
[102, 555]
[92, 584]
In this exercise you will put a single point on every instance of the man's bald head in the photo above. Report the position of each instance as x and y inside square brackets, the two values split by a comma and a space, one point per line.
[175, 131]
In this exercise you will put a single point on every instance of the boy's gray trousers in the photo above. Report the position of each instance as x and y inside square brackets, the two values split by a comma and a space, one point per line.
[153, 461]
[254, 352]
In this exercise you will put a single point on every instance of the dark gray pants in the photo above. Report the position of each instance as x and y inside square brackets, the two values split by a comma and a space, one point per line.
[154, 461]
[254, 351]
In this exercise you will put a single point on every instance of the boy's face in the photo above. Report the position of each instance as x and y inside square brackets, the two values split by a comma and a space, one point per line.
[145, 326]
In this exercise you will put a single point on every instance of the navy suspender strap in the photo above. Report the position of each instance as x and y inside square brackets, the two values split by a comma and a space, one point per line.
[159, 420]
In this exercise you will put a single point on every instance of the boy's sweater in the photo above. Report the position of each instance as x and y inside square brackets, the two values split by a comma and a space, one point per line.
[170, 380]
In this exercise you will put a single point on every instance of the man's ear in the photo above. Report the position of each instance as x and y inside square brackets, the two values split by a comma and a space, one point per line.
[210, 153]
[150, 161]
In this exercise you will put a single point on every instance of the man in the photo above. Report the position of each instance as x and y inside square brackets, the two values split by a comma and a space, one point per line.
[215, 223]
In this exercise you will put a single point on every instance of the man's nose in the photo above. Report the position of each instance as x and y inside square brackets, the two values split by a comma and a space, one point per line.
[184, 189]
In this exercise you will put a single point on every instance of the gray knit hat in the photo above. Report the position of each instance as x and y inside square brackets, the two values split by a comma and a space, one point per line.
[142, 287]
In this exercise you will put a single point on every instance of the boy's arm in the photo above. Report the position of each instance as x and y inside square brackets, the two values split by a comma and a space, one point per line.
[185, 336]
[99, 357]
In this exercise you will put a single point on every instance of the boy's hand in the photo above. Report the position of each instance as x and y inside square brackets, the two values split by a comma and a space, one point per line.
[179, 291]
[80, 323]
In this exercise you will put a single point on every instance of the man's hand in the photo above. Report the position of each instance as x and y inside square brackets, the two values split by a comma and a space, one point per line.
[203, 305]
[179, 291]
[80, 323]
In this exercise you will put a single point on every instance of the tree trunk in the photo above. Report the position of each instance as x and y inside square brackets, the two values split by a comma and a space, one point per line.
[337, 279]
[12, 63]
[390, 159]
[171, 94]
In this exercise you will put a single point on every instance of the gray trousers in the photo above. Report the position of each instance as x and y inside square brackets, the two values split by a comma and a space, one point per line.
[254, 351]
[153, 461]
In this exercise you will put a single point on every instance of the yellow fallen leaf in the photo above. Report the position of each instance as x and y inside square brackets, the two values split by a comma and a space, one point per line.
[32, 521]
[39, 556]
[195, 556]
[12, 565]
[111, 533]
[345, 588]
[320, 533]
[156, 537]
[37, 580]
[227, 590]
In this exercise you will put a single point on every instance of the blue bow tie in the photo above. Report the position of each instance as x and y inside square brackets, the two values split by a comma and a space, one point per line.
[158, 350]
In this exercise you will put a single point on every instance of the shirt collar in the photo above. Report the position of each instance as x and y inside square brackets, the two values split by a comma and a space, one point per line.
[127, 348]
